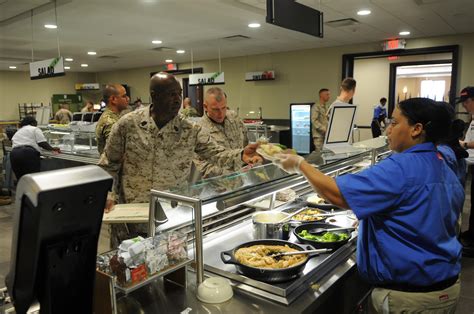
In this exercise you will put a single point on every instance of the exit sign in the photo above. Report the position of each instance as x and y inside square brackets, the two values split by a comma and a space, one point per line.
[394, 44]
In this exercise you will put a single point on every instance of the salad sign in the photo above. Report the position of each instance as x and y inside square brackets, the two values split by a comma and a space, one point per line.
[207, 78]
[47, 68]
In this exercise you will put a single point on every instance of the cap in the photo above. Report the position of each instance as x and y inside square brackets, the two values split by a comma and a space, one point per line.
[467, 92]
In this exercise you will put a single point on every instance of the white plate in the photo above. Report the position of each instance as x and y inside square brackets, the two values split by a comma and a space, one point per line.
[262, 153]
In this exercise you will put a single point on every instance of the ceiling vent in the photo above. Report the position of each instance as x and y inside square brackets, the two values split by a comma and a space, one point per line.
[236, 38]
[108, 57]
[343, 23]
[163, 49]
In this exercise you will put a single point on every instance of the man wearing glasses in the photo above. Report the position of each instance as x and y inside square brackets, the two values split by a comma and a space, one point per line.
[116, 99]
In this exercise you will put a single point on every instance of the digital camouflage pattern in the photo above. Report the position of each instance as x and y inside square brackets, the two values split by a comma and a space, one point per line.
[231, 134]
[103, 128]
[140, 156]
[319, 120]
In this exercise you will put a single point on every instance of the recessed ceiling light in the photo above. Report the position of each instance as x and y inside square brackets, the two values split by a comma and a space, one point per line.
[50, 26]
[168, 60]
[91, 53]
[404, 33]
[12, 67]
[180, 51]
[254, 25]
[363, 12]
[69, 59]
[156, 42]
[67, 68]
[84, 65]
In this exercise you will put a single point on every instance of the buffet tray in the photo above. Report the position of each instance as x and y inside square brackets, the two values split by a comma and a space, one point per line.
[285, 292]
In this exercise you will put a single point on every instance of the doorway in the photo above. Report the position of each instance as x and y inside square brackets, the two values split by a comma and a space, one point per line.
[195, 93]
[430, 79]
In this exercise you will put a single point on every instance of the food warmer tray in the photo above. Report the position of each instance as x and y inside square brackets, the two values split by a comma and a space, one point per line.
[286, 292]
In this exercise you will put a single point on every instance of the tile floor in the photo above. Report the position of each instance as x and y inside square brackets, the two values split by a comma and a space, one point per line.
[465, 306]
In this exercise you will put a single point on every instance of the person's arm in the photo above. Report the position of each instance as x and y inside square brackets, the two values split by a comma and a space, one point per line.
[46, 146]
[324, 185]
[111, 160]
[316, 116]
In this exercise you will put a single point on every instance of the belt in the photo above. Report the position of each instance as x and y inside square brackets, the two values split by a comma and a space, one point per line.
[24, 146]
[441, 285]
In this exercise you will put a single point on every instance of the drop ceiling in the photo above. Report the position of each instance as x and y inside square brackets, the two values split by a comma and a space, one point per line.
[122, 30]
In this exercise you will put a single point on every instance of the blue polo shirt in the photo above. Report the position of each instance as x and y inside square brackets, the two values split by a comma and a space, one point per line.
[379, 111]
[408, 206]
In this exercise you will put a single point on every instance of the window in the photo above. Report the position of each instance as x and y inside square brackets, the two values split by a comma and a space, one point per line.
[433, 89]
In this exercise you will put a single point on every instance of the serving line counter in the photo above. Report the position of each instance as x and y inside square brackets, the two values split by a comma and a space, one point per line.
[216, 214]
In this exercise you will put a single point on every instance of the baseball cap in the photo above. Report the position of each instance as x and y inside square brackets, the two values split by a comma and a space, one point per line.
[466, 92]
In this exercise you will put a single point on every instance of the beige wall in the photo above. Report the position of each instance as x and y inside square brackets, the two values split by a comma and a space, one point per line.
[299, 75]
[16, 87]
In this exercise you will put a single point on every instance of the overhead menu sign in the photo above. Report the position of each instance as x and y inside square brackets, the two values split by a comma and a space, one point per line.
[207, 78]
[87, 86]
[47, 68]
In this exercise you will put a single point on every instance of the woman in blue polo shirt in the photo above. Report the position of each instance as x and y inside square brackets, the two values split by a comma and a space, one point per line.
[408, 206]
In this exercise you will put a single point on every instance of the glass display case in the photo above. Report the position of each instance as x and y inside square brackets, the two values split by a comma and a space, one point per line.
[76, 142]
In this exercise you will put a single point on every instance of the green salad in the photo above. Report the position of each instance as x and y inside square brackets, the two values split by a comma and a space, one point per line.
[325, 237]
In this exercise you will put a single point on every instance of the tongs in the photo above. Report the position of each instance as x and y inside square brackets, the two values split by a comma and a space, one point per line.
[300, 252]
[322, 230]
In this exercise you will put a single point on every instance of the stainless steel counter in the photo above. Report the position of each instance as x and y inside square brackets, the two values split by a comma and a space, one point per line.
[326, 292]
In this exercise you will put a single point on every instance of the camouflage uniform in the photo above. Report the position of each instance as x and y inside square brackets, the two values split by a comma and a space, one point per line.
[231, 134]
[143, 156]
[189, 112]
[103, 128]
[63, 116]
[319, 120]
[140, 156]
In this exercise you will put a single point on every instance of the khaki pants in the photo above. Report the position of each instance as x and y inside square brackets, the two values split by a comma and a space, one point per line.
[318, 143]
[393, 301]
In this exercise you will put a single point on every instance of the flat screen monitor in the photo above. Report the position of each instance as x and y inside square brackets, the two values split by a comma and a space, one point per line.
[341, 121]
[295, 16]
[54, 246]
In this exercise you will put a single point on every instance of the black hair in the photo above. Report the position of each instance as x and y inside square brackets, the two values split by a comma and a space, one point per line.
[435, 117]
[28, 120]
[383, 100]
[323, 90]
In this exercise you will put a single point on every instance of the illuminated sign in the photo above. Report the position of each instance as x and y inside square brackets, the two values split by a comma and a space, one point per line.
[394, 44]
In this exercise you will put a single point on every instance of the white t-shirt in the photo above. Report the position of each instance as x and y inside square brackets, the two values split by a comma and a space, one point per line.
[28, 135]
[470, 138]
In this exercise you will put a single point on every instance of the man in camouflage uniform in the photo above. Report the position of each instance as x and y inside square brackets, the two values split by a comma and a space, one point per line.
[319, 119]
[224, 127]
[153, 147]
[115, 96]
[63, 115]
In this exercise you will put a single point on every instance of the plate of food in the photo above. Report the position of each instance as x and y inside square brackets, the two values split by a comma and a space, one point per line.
[316, 201]
[270, 150]
[310, 215]
[329, 240]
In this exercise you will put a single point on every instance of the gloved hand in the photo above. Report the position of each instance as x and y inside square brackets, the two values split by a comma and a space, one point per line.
[288, 162]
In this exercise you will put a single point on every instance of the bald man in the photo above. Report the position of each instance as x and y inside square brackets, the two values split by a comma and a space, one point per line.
[153, 147]
[224, 127]
[116, 99]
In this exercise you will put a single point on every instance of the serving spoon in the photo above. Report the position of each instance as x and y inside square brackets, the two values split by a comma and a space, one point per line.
[300, 252]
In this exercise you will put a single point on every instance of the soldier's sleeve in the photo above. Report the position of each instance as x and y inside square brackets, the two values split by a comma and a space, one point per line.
[244, 133]
[209, 169]
[315, 119]
[112, 157]
[218, 155]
